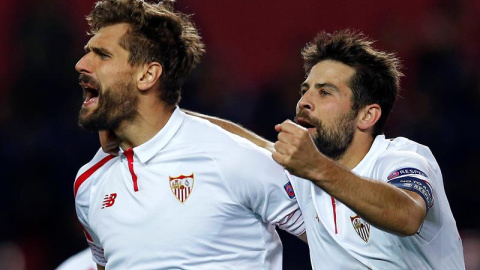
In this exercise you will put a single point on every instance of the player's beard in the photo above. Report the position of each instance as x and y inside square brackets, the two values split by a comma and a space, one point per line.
[115, 105]
[333, 141]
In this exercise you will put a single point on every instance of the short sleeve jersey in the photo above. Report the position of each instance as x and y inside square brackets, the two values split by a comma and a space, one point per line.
[340, 239]
[192, 197]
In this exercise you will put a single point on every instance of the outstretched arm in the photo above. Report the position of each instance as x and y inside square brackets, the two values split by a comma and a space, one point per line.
[236, 129]
[109, 142]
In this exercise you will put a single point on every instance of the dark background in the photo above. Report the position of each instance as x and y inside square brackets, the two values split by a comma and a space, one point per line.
[251, 75]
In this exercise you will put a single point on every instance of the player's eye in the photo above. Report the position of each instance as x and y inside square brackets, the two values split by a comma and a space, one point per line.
[302, 92]
[324, 93]
[104, 56]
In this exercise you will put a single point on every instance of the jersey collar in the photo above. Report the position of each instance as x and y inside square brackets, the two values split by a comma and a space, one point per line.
[379, 145]
[147, 150]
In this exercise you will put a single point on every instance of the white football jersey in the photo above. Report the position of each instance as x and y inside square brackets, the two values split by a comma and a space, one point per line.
[192, 197]
[80, 261]
[340, 239]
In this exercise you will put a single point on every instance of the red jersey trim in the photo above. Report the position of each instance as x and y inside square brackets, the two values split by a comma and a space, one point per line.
[88, 236]
[84, 176]
[334, 213]
[129, 154]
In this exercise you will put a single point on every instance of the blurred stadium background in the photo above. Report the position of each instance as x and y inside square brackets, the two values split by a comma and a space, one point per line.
[251, 75]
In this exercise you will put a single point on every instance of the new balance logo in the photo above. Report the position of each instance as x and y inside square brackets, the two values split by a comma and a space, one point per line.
[109, 200]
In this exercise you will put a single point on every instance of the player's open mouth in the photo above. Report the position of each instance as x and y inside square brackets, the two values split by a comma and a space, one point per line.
[304, 123]
[90, 94]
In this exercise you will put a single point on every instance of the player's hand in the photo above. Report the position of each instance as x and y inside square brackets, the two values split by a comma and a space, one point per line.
[109, 142]
[296, 151]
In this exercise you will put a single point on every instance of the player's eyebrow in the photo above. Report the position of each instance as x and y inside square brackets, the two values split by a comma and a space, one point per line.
[320, 85]
[96, 50]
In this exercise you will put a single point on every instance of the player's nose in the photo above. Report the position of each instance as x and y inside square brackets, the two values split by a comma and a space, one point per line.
[84, 64]
[306, 102]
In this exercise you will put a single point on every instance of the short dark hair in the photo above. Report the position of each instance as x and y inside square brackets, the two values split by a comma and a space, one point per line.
[157, 34]
[377, 74]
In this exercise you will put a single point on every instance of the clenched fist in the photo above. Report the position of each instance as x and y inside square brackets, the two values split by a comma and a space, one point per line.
[296, 151]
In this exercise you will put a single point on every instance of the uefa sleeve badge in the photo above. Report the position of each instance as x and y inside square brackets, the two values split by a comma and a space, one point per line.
[182, 186]
[289, 189]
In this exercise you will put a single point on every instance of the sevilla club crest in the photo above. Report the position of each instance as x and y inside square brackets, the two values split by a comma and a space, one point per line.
[361, 227]
[182, 186]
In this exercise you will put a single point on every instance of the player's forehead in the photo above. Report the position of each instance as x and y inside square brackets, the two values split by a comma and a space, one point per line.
[329, 72]
[109, 37]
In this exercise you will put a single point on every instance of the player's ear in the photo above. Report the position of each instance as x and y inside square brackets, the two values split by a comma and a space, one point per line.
[148, 75]
[368, 116]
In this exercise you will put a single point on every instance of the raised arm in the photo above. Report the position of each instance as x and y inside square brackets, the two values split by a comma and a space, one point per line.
[383, 205]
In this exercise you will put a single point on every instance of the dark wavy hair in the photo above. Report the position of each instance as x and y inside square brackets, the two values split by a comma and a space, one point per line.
[377, 74]
[157, 34]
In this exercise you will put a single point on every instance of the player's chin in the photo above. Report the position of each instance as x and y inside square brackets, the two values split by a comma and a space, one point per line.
[87, 121]
[85, 113]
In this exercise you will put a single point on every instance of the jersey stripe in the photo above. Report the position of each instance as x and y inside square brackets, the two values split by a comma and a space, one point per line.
[334, 213]
[129, 154]
[289, 216]
[84, 176]
[291, 223]
[87, 235]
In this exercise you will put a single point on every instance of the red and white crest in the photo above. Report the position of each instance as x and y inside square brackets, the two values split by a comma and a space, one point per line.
[361, 227]
[182, 186]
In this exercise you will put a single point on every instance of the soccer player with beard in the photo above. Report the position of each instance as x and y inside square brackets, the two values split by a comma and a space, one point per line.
[368, 202]
[174, 197]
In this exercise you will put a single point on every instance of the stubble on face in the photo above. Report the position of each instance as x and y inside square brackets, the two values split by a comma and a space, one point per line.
[116, 104]
[334, 140]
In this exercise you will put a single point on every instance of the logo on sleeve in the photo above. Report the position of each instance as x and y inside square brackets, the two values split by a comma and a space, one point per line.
[109, 200]
[361, 227]
[422, 187]
[182, 186]
[405, 171]
[289, 189]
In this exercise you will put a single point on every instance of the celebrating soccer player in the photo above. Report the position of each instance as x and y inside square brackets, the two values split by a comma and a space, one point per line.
[177, 196]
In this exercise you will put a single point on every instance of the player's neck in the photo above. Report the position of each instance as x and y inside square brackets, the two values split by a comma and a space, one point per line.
[151, 118]
[357, 150]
